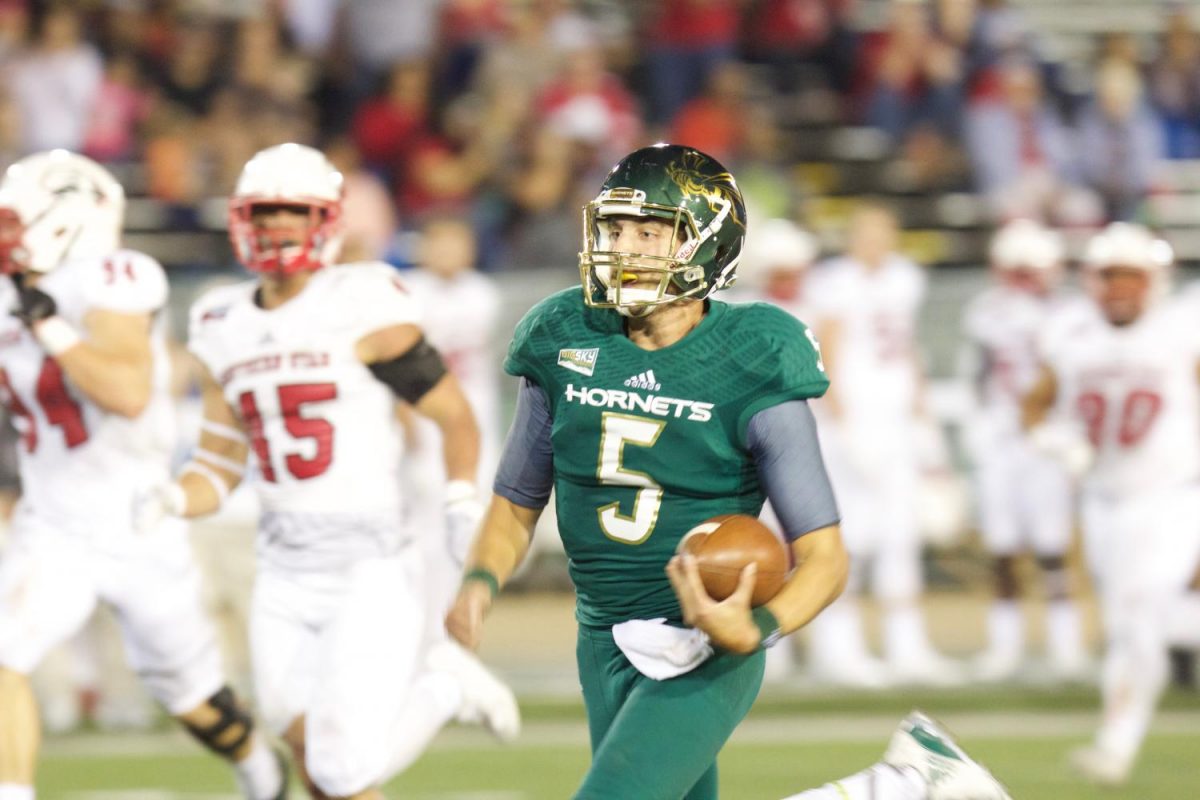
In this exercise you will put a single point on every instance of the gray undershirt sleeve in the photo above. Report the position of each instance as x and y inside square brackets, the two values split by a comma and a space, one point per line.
[783, 440]
[526, 471]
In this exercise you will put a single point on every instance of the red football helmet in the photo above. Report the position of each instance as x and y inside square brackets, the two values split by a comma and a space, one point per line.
[1127, 270]
[289, 176]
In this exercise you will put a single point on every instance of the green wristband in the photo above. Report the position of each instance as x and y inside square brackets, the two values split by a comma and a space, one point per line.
[483, 576]
[768, 627]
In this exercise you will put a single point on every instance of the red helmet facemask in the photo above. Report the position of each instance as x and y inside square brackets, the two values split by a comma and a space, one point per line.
[285, 251]
[13, 256]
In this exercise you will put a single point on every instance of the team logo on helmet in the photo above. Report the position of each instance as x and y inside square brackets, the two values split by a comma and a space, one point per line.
[720, 190]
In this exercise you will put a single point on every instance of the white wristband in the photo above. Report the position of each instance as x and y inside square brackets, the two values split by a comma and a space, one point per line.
[209, 474]
[460, 490]
[222, 431]
[218, 460]
[56, 335]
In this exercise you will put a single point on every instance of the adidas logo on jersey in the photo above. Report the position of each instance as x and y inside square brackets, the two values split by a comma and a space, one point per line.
[645, 380]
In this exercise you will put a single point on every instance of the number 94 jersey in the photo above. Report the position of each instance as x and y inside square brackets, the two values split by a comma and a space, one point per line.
[81, 465]
[648, 443]
[1134, 390]
[323, 429]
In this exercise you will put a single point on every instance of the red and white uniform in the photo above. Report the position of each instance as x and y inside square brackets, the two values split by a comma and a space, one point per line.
[321, 426]
[870, 450]
[1135, 390]
[459, 319]
[1024, 495]
[81, 468]
[338, 616]
[872, 455]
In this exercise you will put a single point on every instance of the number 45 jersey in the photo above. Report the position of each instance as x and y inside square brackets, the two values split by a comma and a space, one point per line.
[648, 443]
[81, 465]
[323, 429]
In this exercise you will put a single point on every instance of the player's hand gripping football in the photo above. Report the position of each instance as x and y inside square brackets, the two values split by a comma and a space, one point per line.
[464, 623]
[728, 623]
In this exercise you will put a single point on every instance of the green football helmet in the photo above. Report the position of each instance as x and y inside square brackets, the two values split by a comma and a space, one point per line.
[680, 186]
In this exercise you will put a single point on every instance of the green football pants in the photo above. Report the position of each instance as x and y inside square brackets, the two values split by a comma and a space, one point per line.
[658, 740]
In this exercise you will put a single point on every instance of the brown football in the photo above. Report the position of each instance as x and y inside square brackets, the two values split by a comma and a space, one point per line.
[724, 545]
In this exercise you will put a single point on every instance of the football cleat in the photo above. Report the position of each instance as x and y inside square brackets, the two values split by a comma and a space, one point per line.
[486, 700]
[949, 773]
[1101, 767]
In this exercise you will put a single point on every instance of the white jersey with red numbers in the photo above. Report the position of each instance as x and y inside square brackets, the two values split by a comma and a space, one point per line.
[459, 318]
[1005, 325]
[81, 465]
[1134, 389]
[322, 427]
[876, 315]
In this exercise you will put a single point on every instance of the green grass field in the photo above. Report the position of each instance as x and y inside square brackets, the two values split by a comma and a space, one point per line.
[792, 741]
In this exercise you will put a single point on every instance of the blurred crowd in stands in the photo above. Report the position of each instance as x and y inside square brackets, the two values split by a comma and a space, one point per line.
[505, 112]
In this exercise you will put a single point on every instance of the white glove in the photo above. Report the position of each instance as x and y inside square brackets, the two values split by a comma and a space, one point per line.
[463, 515]
[155, 504]
[1064, 444]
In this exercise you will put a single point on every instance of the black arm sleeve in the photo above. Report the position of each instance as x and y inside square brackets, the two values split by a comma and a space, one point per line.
[412, 373]
[783, 440]
[526, 472]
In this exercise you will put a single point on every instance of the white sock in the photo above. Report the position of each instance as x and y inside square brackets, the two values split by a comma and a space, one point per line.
[1006, 628]
[15, 791]
[781, 662]
[258, 774]
[1133, 677]
[878, 782]
[1064, 633]
[904, 636]
[432, 702]
[836, 635]
[1183, 621]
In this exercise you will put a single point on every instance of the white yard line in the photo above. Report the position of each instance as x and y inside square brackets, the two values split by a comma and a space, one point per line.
[154, 794]
[762, 730]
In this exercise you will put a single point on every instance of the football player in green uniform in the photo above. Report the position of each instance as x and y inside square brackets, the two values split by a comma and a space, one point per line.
[649, 407]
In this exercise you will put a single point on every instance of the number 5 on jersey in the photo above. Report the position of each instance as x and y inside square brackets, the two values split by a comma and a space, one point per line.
[617, 431]
[292, 399]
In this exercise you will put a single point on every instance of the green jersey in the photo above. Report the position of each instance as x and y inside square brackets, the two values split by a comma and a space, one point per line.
[649, 443]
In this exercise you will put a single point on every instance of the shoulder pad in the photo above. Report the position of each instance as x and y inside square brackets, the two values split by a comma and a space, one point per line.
[125, 281]
[546, 326]
[779, 354]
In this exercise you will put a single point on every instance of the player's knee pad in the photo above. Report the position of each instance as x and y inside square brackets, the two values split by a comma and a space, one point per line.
[233, 727]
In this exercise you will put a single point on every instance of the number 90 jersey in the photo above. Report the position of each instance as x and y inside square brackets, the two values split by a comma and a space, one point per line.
[81, 465]
[1134, 389]
[648, 443]
[322, 428]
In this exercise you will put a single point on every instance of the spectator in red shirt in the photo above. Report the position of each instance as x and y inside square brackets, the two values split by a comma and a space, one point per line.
[715, 122]
[386, 127]
[786, 34]
[590, 105]
[685, 41]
